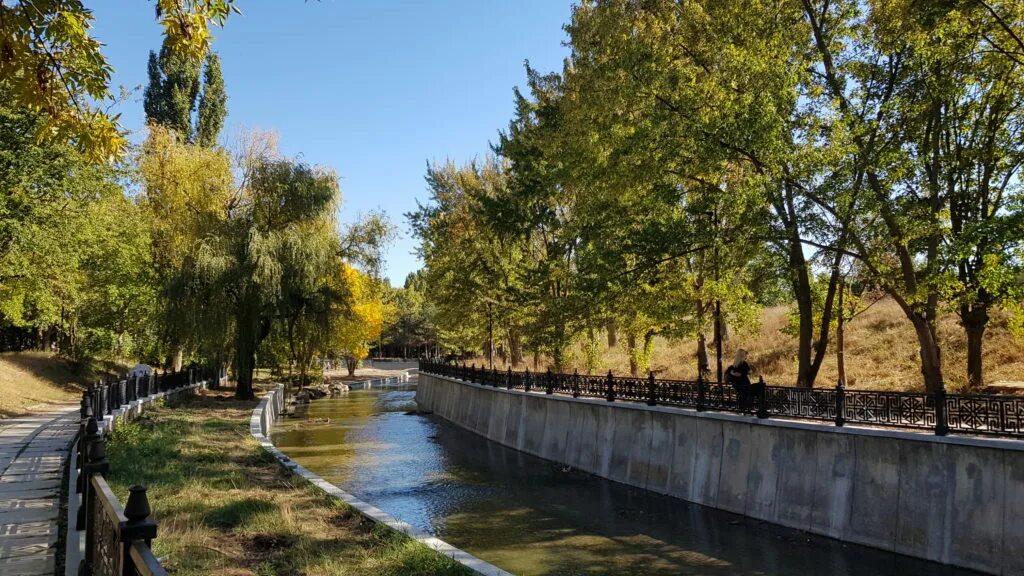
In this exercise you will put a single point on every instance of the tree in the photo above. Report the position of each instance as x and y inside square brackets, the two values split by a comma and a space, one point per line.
[171, 96]
[52, 64]
[929, 95]
[74, 258]
[212, 105]
[355, 331]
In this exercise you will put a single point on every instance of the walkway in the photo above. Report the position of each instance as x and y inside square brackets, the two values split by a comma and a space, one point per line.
[32, 453]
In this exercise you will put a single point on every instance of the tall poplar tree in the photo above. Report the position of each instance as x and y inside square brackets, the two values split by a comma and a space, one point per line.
[172, 97]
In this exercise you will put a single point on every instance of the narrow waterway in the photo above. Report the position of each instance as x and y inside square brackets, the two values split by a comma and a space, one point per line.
[532, 517]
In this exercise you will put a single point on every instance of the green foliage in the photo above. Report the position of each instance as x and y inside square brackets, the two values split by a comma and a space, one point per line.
[52, 64]
[74, 258]
[171, 96]
[746, 153]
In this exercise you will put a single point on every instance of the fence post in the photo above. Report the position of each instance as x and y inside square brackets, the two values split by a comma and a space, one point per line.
[85, 411]
[138, 527]
[840, 403]
[508, 378]
[92, 434]
[97, 464]
[700, 391]
[762, 408]
[610, 392]
[576, 383]
[941, 418]
[652, 390]
[550, 385]
[494, 376]
[526, 380]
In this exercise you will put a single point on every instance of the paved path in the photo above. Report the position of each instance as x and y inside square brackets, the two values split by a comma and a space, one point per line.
[32, 453]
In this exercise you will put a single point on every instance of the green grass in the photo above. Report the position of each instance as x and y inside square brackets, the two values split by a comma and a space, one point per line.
[225, 506]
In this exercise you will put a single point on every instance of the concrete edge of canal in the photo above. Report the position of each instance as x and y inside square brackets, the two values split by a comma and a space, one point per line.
[262, 421]
[953, 500]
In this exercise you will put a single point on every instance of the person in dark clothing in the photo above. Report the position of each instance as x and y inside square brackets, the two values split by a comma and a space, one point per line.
[738, 375]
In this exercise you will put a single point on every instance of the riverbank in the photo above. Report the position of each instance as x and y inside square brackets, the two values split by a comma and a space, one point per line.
[226, 507]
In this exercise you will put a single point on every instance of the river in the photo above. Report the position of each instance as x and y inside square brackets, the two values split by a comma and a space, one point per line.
[534, 517]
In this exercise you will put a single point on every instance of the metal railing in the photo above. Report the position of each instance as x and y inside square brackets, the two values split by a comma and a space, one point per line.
[117, 540]
[107, 396]
[941, 413]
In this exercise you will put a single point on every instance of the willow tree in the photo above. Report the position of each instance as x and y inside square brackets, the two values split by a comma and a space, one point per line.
[188, 193]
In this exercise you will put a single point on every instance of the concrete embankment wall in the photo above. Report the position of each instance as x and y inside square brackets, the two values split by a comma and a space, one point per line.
[954, 500]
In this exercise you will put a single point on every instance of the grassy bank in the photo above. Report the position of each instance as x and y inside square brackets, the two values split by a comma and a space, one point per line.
[30, 378]
[881, 352]
[225, 507]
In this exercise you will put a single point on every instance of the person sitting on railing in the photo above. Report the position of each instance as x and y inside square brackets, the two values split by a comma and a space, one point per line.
[738, 375]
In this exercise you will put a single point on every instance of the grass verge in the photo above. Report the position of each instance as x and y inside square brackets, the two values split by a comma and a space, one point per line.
[226, 507]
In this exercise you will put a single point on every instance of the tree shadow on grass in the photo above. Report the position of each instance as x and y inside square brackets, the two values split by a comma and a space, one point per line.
[236, 513]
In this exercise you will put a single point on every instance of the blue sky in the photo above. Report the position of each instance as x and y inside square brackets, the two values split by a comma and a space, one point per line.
[372, 89]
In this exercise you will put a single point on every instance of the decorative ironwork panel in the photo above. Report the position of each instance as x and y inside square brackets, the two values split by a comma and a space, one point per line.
[986, 414]
[800, 403]
[682, 393]
[106, 551]
[890, 409]
[630, 388]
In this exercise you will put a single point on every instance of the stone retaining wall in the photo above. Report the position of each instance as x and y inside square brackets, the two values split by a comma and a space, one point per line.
[955, 500]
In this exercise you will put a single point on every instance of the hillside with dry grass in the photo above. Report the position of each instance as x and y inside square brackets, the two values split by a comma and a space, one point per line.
[881, 352]
[31, 378]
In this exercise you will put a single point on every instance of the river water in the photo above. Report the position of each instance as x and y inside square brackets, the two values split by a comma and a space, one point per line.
[534, 517]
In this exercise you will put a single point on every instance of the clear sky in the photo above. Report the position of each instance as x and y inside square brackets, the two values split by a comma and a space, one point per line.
[371, 88]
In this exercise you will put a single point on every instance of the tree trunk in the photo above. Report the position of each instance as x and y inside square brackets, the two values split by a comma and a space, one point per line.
[613, 334]
[245, 364]
[631, 347]
[974, 320]
[350, 365]
[515, 347]
[648, 345]
[703, 365]
[931, 364]
[841, 336]
[177, 359]
[805, 309]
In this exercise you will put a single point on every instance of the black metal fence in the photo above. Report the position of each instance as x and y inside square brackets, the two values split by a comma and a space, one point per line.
[117, 540]
[105, 397]
[941, 413]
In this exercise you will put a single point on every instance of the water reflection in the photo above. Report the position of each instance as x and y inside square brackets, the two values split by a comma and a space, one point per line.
[531, 516]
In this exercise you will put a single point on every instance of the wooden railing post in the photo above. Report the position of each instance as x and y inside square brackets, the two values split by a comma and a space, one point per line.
[139, 526]
[96, 464]
[85, 411]
[92, 434]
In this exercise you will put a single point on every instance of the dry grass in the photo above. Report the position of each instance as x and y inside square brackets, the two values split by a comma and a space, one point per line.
[881, 352]
[225, 507]
[32, 378]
